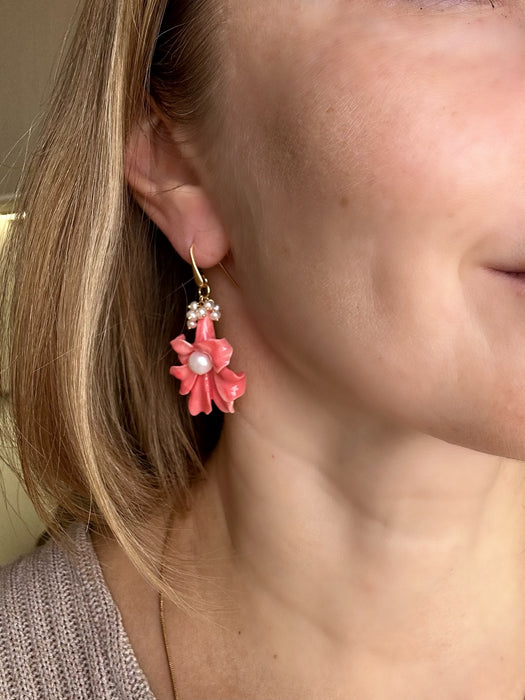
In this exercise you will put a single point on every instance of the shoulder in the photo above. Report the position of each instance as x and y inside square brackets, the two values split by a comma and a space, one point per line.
[61, 634]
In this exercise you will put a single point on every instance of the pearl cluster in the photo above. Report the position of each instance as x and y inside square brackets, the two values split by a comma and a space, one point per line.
[201, 309]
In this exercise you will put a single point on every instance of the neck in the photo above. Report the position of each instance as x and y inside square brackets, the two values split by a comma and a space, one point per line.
[398, 550]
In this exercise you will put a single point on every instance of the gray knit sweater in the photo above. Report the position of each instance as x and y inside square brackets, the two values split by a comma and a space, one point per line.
[61, 632]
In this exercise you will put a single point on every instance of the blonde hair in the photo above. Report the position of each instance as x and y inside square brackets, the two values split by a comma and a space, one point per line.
[94, 291]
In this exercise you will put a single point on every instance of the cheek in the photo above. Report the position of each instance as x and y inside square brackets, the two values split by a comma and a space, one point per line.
[370, 194]
[350, 283]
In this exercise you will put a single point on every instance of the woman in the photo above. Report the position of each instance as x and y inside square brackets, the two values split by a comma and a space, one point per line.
[354, 527]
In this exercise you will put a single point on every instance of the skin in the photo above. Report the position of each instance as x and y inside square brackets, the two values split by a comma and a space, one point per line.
[362, 529]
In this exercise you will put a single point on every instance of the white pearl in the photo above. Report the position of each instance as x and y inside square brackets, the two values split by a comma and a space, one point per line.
[200, 362]
[216, 307]
[194, 306]
[201, 313]
[215, 316]
[191, 316]
[192, 324]
[208, 305]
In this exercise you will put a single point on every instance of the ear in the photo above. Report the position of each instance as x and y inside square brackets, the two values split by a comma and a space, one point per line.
[166, 185]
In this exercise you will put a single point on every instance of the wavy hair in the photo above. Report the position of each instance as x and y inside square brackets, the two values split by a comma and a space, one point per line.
[94, 291]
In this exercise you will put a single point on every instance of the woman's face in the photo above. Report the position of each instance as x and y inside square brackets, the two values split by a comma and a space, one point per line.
[380, 145]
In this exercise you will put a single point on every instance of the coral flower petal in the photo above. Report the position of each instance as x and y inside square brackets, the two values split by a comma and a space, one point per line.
[182, 347]
[200, 397]
[186, 377]
[229, 385]
[224, 406]
[205, 329]
[219, 350]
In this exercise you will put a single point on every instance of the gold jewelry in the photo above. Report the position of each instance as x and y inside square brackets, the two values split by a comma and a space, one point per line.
[199, 278]
[161, 611]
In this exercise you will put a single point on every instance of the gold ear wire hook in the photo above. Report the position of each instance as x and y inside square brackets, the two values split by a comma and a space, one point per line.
[199, 278]
[228, 275]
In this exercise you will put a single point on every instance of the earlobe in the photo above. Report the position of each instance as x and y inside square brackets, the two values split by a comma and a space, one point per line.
[169, 191]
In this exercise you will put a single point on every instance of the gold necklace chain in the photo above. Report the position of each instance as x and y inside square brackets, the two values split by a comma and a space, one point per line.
[161, 612]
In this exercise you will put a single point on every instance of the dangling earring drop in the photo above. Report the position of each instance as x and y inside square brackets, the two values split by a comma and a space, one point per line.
[204, 373]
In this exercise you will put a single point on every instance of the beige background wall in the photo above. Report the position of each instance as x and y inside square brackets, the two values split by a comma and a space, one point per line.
[32, 33]
[31, 36]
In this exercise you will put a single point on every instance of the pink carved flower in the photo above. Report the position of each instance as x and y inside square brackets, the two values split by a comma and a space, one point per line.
[203, 373]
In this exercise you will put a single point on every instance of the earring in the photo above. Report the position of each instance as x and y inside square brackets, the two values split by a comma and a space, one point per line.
[204, 374]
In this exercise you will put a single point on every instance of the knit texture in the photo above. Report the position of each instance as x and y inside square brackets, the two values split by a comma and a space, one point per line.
[61, 632]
